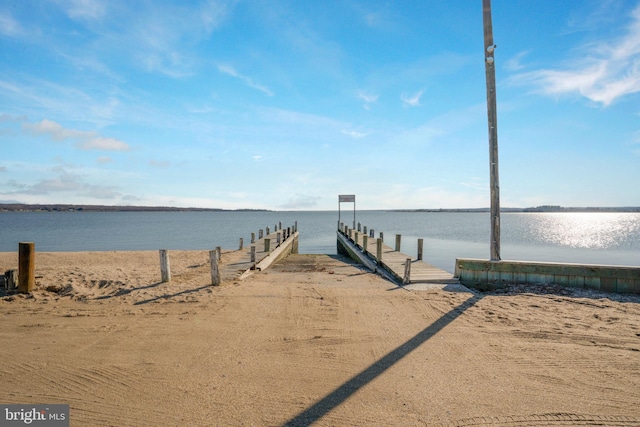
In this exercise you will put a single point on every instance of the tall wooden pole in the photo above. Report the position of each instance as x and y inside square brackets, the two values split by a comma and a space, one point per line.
[492, 114]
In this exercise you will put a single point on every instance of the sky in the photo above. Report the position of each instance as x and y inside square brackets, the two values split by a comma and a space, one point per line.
[286, 104]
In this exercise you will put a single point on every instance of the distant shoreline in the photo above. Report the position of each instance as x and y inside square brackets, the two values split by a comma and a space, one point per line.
[23, 207]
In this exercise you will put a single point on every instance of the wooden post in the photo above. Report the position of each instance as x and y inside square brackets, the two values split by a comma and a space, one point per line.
[279, 225]
[288, 232]
[10, 277]
[379, 250]
[241, 244]
[365, 242]
[268, 231]
[26, 267]
[295, 227]
[278, 238]
[219, 252]
[372, 233]
[407, 272]
[253, 253]
[359, 228]
[253, 237]
[492, 115]
[215, 272]
[398, 239]
[165, 269]
[267, 245]
[420, 246]
[260, 234]
[355, 238]
[382, 236]
[364, 229]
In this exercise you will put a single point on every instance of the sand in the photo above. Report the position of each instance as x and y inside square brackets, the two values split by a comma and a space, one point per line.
[313, 339]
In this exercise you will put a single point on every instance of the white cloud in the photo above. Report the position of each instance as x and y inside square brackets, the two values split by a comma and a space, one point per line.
[412, 100]
[354, 134]
[257, 158]
[85, 140]
[229, 70]
[609, 71]
[299, 201]
[515, 63]
[84, 9]
[368, 99]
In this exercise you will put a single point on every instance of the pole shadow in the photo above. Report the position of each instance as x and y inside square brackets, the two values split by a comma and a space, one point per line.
[343, 392]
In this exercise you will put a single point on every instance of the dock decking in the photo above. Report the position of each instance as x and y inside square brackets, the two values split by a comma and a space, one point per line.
[394, 262]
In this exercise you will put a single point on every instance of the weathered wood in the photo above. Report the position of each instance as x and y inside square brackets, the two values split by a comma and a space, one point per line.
[267, 245]
[359, 227]
[253, 238]
[379, 250]
[492, 116]
[253, 254]
[420, 246]
[215, 271]
[219, 252]
[372, 233]
[407, 272]
[382, 236]
[260, 234]
[165, 268]
[11, 280]
[365, 242]
[398, 240]
[241, 244]
[26, 267]
[364, 229]
[268, 232]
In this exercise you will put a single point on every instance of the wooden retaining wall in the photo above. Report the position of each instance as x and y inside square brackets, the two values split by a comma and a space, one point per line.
[485, 274]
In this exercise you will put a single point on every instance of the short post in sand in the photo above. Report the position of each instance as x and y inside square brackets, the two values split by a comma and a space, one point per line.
[165, 269]
[420, 246]
[26, 267]
[215, 271]
[407, 271]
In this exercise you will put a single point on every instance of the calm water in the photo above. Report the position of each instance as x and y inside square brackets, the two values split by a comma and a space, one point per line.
[594, 238]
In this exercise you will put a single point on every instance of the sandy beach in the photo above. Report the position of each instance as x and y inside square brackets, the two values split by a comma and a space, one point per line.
[314, 339]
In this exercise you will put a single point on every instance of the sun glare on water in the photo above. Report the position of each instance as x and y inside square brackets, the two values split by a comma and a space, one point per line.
[591, 230]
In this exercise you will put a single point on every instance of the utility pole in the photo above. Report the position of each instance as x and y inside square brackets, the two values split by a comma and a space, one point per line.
[492, 114]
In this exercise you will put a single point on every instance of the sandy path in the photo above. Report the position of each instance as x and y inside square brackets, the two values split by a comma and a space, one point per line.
[313, 339]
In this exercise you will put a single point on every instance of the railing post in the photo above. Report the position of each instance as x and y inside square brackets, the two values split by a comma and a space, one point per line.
[407, 272]
[398, 239]
[26, 267]
[165, 268]
[379, 250]
[215, 272]
[420, 246]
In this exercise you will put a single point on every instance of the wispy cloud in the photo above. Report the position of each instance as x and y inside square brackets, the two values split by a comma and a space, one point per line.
[85, 140]
[515, 63]
[300, 201]
[354, 134]
[411, 100]
[9, 26]
[84, 9]
[368, 99]
[229, 70]
[608, 71]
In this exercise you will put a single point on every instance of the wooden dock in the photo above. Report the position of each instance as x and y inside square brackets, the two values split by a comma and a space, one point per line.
[393, 262]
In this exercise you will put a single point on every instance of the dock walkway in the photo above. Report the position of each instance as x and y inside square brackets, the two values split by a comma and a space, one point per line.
[394, 262]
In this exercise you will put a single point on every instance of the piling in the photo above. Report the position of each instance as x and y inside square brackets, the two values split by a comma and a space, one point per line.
[420, 246]
[165, 269]
[398, 239]
[267, 245]
[407, 272]
[253, 238]
[365, 242]
[26, 267]
[379, 250]
[215, 271]
[241, 244]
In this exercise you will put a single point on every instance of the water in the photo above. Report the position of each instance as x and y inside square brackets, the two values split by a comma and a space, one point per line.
[593, 238]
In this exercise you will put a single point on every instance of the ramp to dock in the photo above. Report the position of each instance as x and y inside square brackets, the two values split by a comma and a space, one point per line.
[392, 263]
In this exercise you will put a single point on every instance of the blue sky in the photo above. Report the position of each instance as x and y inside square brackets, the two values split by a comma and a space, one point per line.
[286, 104]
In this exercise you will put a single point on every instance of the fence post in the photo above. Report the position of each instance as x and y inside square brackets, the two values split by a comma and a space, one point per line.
[165, 269]
[407, 271]
[215, 272]
[420, 245]
[398, 238]
[241, 244]
[379, 250]
[26, 267]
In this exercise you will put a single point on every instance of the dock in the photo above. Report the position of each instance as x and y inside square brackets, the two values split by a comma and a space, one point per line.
[389, 262]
